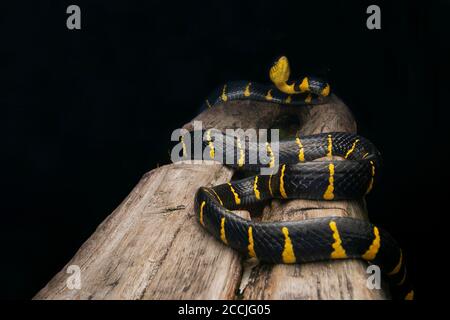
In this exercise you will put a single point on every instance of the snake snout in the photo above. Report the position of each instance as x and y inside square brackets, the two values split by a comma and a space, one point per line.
[279, 72]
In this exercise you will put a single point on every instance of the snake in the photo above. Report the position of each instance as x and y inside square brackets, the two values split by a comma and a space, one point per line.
[307, 169]
[307, 91]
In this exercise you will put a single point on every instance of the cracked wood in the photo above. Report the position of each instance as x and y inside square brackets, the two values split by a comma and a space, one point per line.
[151, 246]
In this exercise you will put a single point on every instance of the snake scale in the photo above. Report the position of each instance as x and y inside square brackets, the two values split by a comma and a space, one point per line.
[297, 177]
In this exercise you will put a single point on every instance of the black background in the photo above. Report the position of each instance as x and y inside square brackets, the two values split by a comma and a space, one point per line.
[85, 113]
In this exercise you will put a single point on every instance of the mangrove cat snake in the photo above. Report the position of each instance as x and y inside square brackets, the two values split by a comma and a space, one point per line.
[299, 177]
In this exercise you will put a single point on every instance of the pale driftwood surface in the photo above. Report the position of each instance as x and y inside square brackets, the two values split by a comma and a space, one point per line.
[344, 279]
[151, 246]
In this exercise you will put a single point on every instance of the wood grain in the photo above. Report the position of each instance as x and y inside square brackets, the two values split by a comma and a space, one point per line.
[331, 280]
[151, 246]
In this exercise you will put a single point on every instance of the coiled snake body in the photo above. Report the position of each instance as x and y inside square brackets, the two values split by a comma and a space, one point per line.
[299, 177]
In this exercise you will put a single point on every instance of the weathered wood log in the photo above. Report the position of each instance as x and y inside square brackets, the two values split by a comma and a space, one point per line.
[151, 246]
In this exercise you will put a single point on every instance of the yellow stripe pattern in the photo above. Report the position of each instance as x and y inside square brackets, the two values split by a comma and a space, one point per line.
[304, 85]
[211, 193]
[308, 98]
[329, 193]
[349, 152]
[218, 198]
[330, 146]
[222, 231]
[251, 243]
[201, 212]
[224, 94]
[338, 250]
[369, 188]
[237, 200]
[288, 251]
[398, 266]
[371, 253]
[271, 155]
[255, 189]
[247, 90]
[282, 190]
[301, 150]
[270, 185]
[326, 91]
[288, 100]
[410, 295]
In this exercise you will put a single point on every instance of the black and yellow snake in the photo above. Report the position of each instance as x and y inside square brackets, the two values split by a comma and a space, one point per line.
[299, 177]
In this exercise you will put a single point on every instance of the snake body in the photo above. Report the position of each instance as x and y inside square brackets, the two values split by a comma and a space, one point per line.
[308, 90]
[298, 177]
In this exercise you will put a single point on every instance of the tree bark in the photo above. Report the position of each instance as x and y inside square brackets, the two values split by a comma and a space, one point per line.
[152, 247]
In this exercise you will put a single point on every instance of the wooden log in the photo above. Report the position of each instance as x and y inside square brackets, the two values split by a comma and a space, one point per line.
[345, 279]
[152, 247]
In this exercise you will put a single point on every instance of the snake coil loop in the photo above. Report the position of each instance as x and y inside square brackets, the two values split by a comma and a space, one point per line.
[299, 177]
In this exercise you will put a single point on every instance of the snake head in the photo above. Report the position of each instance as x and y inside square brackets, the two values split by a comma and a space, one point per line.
[280, 71]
